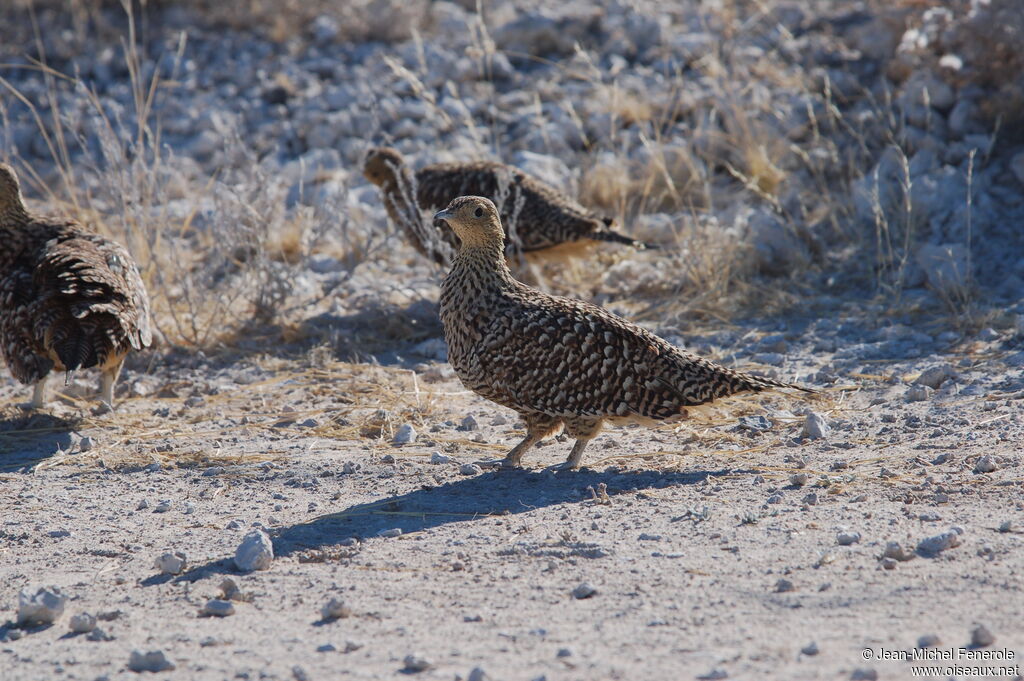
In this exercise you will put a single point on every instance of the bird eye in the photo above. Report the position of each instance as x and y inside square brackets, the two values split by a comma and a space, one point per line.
[479, 212]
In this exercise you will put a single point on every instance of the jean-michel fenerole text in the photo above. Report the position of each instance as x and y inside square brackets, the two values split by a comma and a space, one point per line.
[954, 654]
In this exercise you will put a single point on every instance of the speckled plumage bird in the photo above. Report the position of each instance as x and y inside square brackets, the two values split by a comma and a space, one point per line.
[559, 361]
[69, 298]
[544, 219]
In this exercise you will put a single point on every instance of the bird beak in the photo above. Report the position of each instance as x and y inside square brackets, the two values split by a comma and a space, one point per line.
[442, 215]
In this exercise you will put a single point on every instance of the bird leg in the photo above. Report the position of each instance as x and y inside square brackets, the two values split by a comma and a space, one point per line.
[38, 394]
[584, 430]
[107, 380]
[538, 426]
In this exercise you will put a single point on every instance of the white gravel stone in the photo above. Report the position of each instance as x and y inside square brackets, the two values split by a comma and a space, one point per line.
[390, 532]
[82, 623]
[933, 546]
[335, 609]
[918, 393]
[85, 444]
[256, 552]
[405, 435]
[848, 538]
[416, 663]
[986, 464]
[584, 590]
[815, 427]
[470, 469]
[163, 507]
[799, 479]
[439, 458]
[934, 377]
[981, 637]
[215, 607]
[45, 605]
[171, 563]
[152, 661]
[469, 423]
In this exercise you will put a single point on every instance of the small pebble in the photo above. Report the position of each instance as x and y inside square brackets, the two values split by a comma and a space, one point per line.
[896, 551]
[392, 532]
[981, 637]
[299, 674]
[152, 661]
[563, 652]
[942, 458]
[933, 546]
[256, 552]
[815, 427]
[468, 423]
[171, 563]
[163, 507]
[714, 675]
[405, 435]
[439, 458]
[584, 590]
[415, 663]
[326, 648]
[85, 444]
[142, 505]
[230, 592]
[335, 609]
[387, 458]
[864, 674]
[45, 605]
[810, 649]
[478, 674]
[82, 623]
[799, 479]
[216, 607]
[811, 499]
[470, 469]
[99, 635]
[784, 586]
[1006, 526]
[928, 641]
[847, 538]
[986, 464]
[917, 393]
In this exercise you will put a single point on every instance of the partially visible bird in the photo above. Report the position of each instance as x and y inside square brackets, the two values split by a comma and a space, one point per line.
[69, 298]
[561, 362]
[540, 217]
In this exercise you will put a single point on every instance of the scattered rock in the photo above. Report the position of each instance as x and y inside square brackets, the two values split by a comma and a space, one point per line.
[564, 652]
[815, 427]
[1006, 526]
[584, 590]
[335, 609]
[986, 464]
[163, 507]
[387, 458]
[897, 551]
[415, 663]
[43, 606]
[439, 458]
[981, 637]
[810, 649]
[171, 563]
[784, 586]
[469, 423]
[756, 424]
[256, 552]
[918, 393]
[934, 377]
[99, 635]
[470, 469]
[216, 607]
[848, 538]
[152, 661]
[928, 641]
[390, 533]
[405, 435]
[85, 444]
[82, 623]
[229, 590]
[933, 546]
[799, 479]
[478, 674]
[864, 674]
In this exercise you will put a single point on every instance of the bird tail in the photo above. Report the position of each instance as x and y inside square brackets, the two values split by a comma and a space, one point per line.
[611, 236]
[759, 383]
[73, 347]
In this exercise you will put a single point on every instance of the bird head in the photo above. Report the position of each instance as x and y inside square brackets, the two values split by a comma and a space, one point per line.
[10, 191]
[381, 165]
[474, 220]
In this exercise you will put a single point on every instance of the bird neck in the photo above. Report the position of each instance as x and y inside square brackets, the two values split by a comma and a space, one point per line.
[484, 262]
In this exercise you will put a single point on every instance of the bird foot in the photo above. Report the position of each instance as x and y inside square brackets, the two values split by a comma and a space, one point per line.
[29, 406]
[564, 466]
[103, 408]
[497, 464]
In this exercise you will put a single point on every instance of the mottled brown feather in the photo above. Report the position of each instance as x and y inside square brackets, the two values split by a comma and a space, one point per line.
[558, 358]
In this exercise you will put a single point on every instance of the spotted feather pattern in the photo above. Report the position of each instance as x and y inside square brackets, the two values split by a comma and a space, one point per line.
[69, 298]
[560, 359]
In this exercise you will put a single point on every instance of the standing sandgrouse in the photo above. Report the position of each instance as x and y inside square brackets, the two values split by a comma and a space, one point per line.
[559, 361]
[539, 216]
[69, 299]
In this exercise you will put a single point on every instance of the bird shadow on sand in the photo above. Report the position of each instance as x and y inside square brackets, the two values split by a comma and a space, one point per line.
[467, 500]
[26, 438]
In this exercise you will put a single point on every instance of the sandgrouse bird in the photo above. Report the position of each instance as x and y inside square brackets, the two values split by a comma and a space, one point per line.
[559, 361]
[69, 299]
[543, 218]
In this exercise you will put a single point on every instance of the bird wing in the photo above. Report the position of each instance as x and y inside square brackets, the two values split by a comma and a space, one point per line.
[570, 358]
[86, 280]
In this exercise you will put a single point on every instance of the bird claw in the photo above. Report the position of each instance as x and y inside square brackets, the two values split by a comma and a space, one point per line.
[564, 466]
[103, 408]
[497, 464]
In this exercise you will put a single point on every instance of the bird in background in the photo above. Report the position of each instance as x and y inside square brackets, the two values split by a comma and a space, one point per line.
[70, 299]
[561, 362]
[541, 221]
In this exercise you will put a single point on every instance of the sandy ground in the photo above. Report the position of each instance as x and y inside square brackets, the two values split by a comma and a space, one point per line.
[686, 553]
